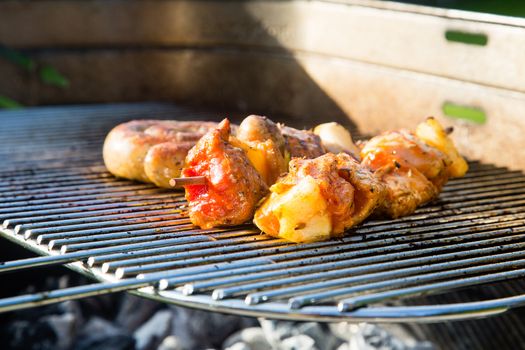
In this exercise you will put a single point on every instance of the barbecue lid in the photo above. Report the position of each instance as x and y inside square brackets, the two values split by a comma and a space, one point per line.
[59, 201]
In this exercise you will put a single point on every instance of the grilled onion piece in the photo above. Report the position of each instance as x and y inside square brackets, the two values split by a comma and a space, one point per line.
[336, 138]
[432, 133]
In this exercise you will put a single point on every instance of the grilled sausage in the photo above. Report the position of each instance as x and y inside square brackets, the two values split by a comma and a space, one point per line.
[151, 150]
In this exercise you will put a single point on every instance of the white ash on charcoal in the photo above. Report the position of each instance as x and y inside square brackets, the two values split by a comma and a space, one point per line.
[73, 307]
[150, 335]
[64, 327]
[298, 342]
[286, 335]
[239, 346]
[252, 338]
[171, 342]
[125, 322]
[197, 329]
[366, 336]
[104, 335]
[299, 335]
[116, 322]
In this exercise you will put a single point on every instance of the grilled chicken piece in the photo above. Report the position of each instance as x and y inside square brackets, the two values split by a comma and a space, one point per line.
[413, 166]
[403, 149]
[233, 187]
[319, 198]
[406, 190]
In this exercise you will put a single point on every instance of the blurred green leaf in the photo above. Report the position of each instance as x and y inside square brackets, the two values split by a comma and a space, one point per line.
[17, 58]
[6, 102]
[51, 76]
[47, 74]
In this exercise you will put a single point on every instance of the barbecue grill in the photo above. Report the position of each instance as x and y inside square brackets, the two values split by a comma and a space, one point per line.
[59, 201]
[301, 62]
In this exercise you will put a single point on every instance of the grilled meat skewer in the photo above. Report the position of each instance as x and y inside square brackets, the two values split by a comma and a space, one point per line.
[154, 150]
[323, 194]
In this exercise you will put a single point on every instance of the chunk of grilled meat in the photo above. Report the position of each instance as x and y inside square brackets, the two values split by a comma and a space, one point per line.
[301, 143]
[264, 145]
[413, 168]
[406, 189]
[233, 186]
[319, 198]
[403, 149]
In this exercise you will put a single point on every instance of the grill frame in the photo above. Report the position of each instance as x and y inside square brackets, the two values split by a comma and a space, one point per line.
[509, 187]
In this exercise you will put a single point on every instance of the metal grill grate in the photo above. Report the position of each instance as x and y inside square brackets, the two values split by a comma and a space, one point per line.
[135, 236]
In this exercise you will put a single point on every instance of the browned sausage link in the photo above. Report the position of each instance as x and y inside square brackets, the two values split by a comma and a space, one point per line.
[151, 150]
